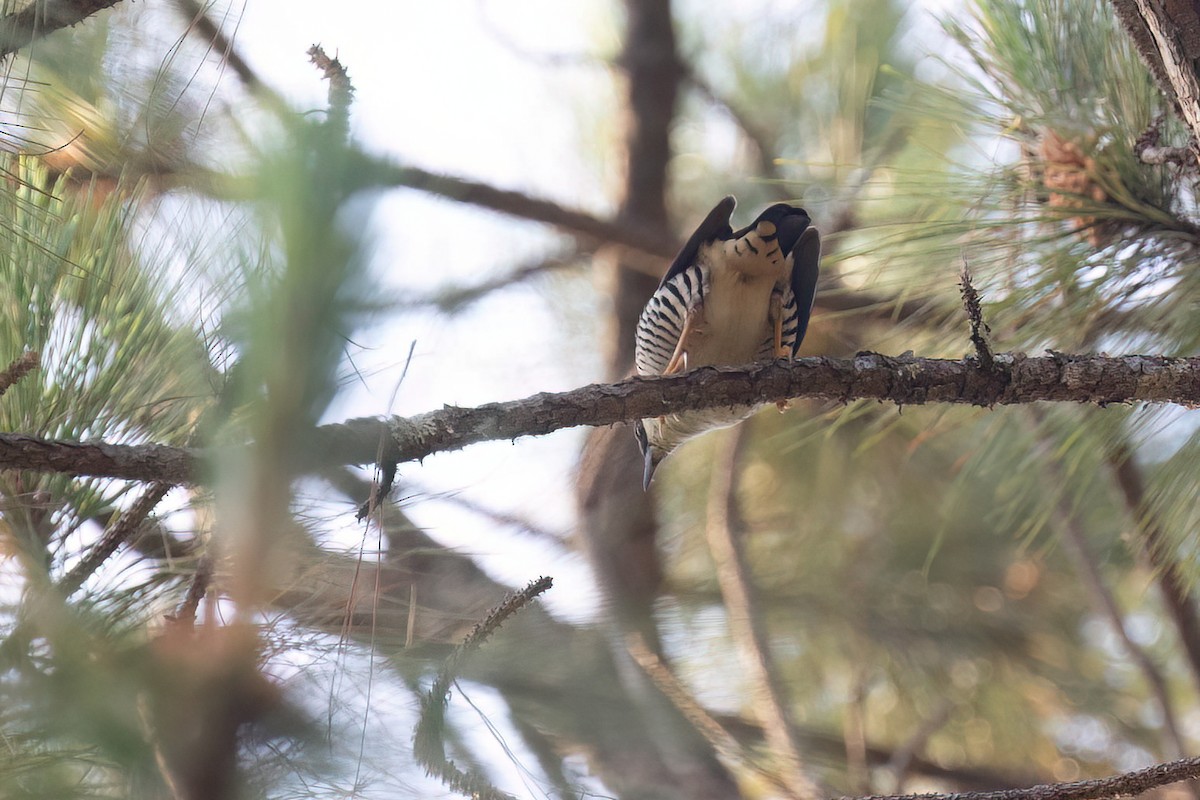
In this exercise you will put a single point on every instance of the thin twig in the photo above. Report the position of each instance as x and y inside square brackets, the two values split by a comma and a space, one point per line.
[833, 747]
[1156, 548]
[905, 755]
[185, 615]
[341, 90]
[757, 137]
[380, 487]
[1127, 784]
[1148, 150]
[455, 299]
[428, 744]
[506, 518]
[746, 620]
[119, 532]
[1105, 603]
[979, 328]
[18, 369]
[705, 723]
[202, 24]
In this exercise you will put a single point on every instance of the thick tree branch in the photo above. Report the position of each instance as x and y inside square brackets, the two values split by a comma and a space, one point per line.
[905, 380]
[42, 17]
[1168, 36]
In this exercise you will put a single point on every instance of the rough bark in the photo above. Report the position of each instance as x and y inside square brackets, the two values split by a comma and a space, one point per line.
[1167, 34]
[42, 17]
[906, 380]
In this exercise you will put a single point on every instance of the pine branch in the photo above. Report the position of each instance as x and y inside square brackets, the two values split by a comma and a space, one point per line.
[42, 17]
[428, 746]
[118, 532]
[1168, 37]
[1103, 601]
[203, 25]
[21, 366]
[1127, 784]
[341, 90]
[722, 742]
[905, 380]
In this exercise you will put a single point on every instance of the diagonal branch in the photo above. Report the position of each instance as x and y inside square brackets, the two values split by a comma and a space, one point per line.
[428, 746]
[42, 17]
[1168, 38]
[1155, 545]
[746, 621]
[646, 239]
[904, 380]
[645, 245]
[119, 532]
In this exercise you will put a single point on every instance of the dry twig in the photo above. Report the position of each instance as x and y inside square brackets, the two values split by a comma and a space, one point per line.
[979, 328]
[119, 532]
[19, 368]
[428, 746]
[341, 90]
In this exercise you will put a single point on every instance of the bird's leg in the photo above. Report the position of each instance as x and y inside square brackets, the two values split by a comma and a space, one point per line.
[775, 315]
[678, 362]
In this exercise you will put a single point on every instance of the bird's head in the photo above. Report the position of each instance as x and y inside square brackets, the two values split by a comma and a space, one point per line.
[762, 248]
[652, 453]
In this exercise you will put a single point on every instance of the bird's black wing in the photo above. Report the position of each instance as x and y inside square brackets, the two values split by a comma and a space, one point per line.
[806, 258]
[715, 226]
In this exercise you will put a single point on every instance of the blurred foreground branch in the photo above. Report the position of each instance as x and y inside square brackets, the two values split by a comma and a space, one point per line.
[905, 380]
[428, 746]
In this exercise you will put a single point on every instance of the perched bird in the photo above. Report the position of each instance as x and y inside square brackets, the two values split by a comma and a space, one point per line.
[730, 297]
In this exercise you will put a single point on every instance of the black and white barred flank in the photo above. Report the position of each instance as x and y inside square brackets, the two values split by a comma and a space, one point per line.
[662, 320]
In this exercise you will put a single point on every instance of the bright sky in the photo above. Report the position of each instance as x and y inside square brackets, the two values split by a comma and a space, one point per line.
[442, 86]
